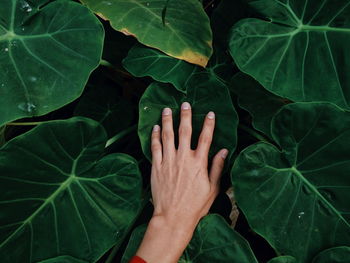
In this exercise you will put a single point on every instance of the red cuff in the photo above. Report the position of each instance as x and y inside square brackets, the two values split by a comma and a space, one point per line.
[137, 259]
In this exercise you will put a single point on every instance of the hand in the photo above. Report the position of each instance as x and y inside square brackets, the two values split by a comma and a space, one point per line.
[182, 189]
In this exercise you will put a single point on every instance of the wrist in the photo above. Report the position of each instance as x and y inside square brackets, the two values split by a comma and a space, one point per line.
[163, 234]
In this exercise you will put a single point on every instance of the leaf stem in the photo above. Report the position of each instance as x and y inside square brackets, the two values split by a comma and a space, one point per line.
[120, 135]
[25, 123]
[253, 133]
[111, 66]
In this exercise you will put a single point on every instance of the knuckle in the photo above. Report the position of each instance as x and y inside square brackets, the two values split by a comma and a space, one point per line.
[205, 139]
[167, 135]
[185, 131]
[156, 147]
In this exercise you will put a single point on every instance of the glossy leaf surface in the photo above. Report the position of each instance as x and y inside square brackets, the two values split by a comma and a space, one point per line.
[63, 195]
[297, 198]
[302, 54]
[204, 94]
[143, 61]
[334, 255]
[47, 52]
[213, 241]
[179, 28]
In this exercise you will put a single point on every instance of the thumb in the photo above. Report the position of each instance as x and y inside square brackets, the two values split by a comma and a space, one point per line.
[217, 166]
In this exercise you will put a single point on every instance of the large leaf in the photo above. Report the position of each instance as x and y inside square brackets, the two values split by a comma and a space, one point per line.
[47, 51]
[297, 198]
[333, 255]
[179, 28]
[261, 104]
[143, 61]
[301, 52]
[212, 241]
[61, 196]
[204, 94]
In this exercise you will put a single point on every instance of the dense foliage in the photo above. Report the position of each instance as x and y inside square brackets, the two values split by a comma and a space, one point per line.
[82, 84]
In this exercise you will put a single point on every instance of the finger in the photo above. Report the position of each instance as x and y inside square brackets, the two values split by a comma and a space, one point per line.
[206, 135]
[156, 145]
[167, 132]
[217, 167]
[185, 128]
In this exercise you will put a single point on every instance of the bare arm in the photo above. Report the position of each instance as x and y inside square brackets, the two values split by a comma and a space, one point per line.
[182, 188]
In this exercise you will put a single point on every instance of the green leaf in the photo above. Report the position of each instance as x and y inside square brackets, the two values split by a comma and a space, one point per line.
[300, 51]
[212, 241]
[107, 107]
[184, 34]
[61, 196]
[204, 94]
[142, 61]
[63, 259]
[261, 104]
[334, 255]
[2, 135]
[283, 259]
[47, 52]
[297, 198]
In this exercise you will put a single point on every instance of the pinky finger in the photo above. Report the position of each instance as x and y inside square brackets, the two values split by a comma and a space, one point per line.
[156, 145]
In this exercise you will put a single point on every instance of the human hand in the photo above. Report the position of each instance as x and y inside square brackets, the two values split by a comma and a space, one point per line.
[182, 188]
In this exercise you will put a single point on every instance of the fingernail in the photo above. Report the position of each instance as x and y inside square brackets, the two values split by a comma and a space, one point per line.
[156, 128]
[185, 106]
[211, 115]
[224, 153]
[166, 111]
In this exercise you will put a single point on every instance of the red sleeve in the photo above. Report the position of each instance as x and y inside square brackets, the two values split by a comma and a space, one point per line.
[137, 259]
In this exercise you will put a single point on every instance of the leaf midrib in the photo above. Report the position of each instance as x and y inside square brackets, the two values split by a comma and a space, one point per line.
[48, 200]
[313, 189]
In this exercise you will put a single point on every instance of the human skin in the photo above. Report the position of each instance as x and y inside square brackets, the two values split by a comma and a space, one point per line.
[183, 189]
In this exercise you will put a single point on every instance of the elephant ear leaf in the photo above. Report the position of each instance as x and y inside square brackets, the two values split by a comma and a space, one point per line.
[62, 196]
[47, 51]
[297, 197]
[180, 28]
[212, 241]
[300, 51]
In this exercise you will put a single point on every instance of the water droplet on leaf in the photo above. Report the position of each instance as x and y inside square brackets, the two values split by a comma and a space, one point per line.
[32, 78]
[6, 50]
[25, 6]
[27, 107]
[301, 214]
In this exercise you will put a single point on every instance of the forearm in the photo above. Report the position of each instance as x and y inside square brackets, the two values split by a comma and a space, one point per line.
[165, 241]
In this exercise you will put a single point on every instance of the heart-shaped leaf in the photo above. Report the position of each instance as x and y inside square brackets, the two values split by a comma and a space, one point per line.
[61, 196]
[212, 241]
[47, 52]
[179, 28]
[204, 94]
[143, 61]
[300, 52]
[333, 255]
[297, 198]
